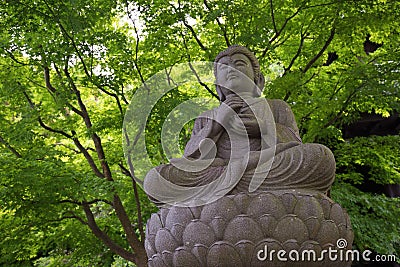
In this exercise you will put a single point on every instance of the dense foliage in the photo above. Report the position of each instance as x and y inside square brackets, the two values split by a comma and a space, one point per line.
[68, 70]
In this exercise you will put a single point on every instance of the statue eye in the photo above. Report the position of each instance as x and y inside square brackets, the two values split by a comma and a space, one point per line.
[222, 66]
[241, 64]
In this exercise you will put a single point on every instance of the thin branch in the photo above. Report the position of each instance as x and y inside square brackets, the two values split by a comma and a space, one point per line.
[345, 104]
[14, 58]
[135, 61]
[321, 52]
[201, 83]
[287, 69]
[75, 139]
[52, 89]
[96, 139]
[279, 32]
[15, 152]
[123, 95]
[194, 35]
[273, 16]
[80, 203]
[223, 28]
[48, 128]
[137, 199]
[88, 158]
[194, 71]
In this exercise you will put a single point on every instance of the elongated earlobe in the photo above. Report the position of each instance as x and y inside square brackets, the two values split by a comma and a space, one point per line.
[220, 94]
[260, 84]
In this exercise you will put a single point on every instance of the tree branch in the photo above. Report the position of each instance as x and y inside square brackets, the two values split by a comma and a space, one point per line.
[321, 52]
[15, 152]
[52, 89]
[14, 58]
[345, 104]
[114, 247]
[88, 157]
[96, 139]
[223, 29]
[194, 71]
[135, 61]
[273, 16]
[133, 240]
[279, 32]
[194, 35]
[287, 69]
[137, 199]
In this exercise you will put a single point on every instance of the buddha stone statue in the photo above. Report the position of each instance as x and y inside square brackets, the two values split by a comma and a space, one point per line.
[263, 189]
[233, 133]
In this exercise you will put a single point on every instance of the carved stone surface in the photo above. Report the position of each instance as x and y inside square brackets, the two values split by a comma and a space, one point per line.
[287, 208]
[232, 230]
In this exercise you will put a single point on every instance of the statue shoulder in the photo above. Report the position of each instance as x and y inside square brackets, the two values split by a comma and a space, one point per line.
[278, 104]
[282, 113]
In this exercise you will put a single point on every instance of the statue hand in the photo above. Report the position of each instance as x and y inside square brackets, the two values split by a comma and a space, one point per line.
[228, 109]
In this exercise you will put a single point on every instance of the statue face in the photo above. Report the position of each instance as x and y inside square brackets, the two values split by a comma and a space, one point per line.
[235, 74]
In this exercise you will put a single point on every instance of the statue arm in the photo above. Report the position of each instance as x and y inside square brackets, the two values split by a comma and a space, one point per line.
[286, 126]
[204, 127]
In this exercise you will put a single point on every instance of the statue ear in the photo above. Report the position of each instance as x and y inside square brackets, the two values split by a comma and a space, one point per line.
[260, 84]
[220, 94]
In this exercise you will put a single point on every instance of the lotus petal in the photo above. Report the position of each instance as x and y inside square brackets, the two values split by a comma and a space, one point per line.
[328, 233]
[268, 224]
[224, 207]
[290, 244]
[307, 207]
[242, 227]
[153, 224]
[183, 257]
[152, 240]
[223, 254]
[313, 224]
[346, 233]
[245, 249]
[291, 227]
[177, 232]
[165, 241]
[200, 251]
[150, 249]
[157, 261]
[167, 257]
[289, 200]
[337, 214]
[218, 224]
[181, 215]
[266, 203]
[326, 207]
[198, 233]
[163, 215]
[242, 202]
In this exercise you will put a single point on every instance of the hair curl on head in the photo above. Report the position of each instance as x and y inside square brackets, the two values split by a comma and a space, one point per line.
[237, 49]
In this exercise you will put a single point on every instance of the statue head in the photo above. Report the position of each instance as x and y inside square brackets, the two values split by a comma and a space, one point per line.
[243, 56]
